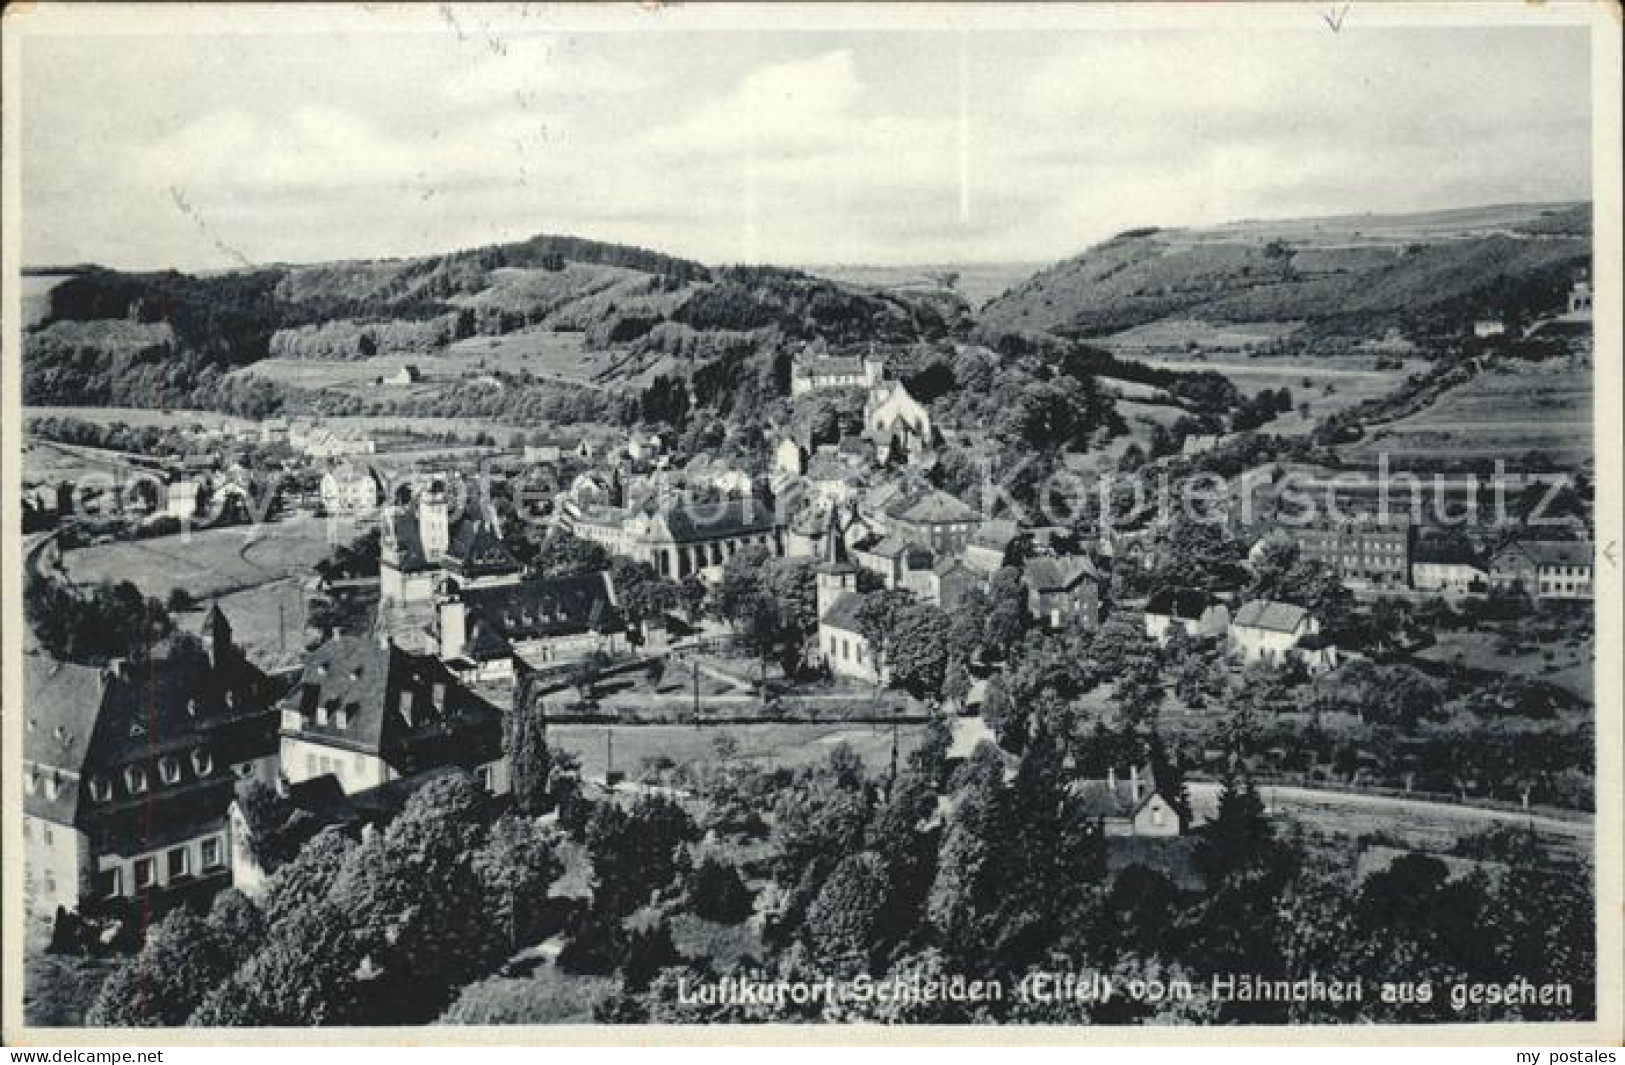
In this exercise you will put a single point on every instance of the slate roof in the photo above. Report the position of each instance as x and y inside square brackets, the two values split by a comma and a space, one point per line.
[843, 613]
[536, 609]
[932, 508]
[388, 698]
[87, 721]
[1188, 604]
[475, 549]
[1446, 552]
[1558, 552]
[1048, 573]
[1270, 616]
[694, 522]
[402, 532]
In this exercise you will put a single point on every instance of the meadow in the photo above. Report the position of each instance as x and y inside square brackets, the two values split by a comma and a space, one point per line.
[1495, 415]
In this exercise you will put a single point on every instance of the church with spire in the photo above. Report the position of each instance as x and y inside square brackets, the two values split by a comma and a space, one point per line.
[842, 647]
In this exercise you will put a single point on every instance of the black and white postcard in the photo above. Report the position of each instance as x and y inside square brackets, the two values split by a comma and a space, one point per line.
[1049, 521]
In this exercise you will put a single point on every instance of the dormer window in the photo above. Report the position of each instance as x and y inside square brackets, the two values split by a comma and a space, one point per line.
[191, 708]
[53, 786]
[135, 779]
[169, 769]
[100, 789]
[202, 762]
[321, 714]
[34, 782]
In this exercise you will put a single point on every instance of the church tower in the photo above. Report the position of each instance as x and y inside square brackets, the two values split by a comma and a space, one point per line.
[434, 522]
[216, 635]
[836, 573]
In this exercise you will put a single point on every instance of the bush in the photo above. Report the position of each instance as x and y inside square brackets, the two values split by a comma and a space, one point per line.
[718, 893]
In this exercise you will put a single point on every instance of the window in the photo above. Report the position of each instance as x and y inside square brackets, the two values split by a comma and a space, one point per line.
[179, 862]
[202, 762]
[209, 852]
[143, 873]
[483, 776]
[169, 769]
[109, 883]
[100, 789]
[135, 779]
[46, 835]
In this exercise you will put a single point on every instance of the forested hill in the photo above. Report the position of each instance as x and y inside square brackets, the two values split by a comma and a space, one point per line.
[169, 338]
[1350, 276]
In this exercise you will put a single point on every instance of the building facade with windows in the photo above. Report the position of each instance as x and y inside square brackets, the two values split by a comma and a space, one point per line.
[368, 713]
[1367, 552]
[128, 771]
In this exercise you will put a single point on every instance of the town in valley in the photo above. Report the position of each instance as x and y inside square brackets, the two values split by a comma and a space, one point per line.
[557, 630]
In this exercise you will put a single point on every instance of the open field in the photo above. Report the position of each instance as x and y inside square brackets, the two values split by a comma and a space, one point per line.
[540, 351]
[1333, 384]
[213, 562]
[1570, 665]
[1495, 415]
[1176, 334]
[978, 282]
[768, 745]
[144, 416]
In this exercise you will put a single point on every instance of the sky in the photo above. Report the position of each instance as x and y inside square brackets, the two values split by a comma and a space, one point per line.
[882, 146]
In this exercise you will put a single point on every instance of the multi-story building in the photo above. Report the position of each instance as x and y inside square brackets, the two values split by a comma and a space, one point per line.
[422, 546]
[1062, 588]
[933, 518]
[1448, 568]
[841, 643]
[485, 633]
[351, 488]
[1544, 569]
[128, 771]
[368, 712]
[811, 372]
[897, 424]
[1360, 551]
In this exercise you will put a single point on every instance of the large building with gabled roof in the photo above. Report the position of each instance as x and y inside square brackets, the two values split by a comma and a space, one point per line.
[369, 712]
[128, 770]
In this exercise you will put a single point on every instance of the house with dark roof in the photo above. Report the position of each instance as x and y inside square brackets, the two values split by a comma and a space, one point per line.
[486, 634]
[942, 522]
[1197, 612]
[946, 583]
[1129, 806]
[128, 770]
[369, 712]
[1271, 633]
[1061, 588]
[1544, 569]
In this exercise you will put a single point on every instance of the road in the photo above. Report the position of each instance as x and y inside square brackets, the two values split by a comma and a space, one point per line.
[1437, 822]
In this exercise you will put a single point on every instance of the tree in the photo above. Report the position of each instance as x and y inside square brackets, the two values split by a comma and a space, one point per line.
[844, 922]
[529, 765]
[918, 649]
[717, 892]
[516, 865]
[1239, 838]
[634, 853]
[306, 973]
[183, 959]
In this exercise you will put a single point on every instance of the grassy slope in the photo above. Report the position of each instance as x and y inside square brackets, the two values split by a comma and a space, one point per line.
[1362, 272]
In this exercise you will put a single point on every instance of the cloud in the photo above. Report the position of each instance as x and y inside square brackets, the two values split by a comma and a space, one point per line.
[534, 70]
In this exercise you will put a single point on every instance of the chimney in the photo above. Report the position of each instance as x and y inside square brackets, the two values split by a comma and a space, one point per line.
[1111, 778]
[1134, 782]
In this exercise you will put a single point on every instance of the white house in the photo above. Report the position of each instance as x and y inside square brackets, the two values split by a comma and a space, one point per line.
[181, 499]
[1267, 632]
[1195, 611]
[351, 489]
